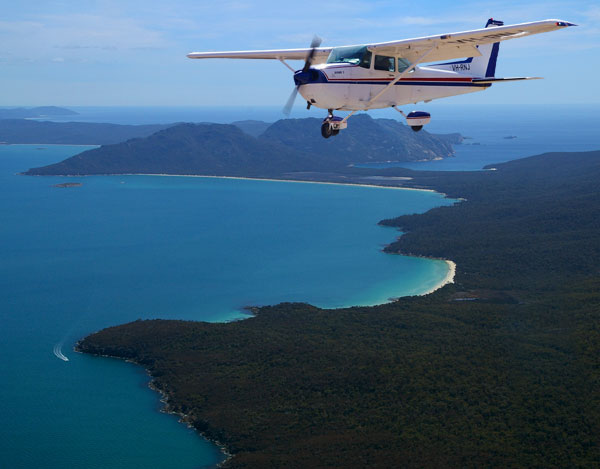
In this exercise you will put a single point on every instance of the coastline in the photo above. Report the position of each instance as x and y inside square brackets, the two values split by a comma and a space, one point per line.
[188, 419]
[166, 397]
[300, 181]
[184, 418]
[449, 278]
[394, 367]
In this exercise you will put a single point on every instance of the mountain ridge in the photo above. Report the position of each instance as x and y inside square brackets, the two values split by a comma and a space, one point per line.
[289, 145]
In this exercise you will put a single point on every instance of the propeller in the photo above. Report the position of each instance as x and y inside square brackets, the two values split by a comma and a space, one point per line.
[316, 42]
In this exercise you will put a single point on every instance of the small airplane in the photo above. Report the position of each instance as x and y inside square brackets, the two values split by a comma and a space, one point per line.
[389, 74]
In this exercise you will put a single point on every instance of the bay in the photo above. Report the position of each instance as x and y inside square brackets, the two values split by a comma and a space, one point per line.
[119, 248]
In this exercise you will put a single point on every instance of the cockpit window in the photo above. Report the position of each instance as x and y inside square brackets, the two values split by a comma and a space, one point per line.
[355, 55]
[383, 62]
[403, 64]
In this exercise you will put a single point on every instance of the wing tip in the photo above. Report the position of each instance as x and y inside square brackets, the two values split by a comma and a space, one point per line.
[562, 23]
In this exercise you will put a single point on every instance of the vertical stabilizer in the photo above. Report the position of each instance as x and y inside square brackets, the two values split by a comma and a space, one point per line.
[481, 66]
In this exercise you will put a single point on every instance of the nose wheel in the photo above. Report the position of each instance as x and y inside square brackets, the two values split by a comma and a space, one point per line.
[327, 130]
[332, 125]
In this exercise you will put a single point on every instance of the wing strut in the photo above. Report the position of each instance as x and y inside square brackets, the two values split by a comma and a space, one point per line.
[401, 75]
[286, 64]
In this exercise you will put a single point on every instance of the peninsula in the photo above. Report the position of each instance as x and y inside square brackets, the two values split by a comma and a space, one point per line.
[509, 378]
[286, 149]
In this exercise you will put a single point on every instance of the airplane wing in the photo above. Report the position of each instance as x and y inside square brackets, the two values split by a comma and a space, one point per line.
[456, 45]
[443, 46]
[321, 54]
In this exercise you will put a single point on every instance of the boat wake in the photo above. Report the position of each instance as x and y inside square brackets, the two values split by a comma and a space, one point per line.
[58, 352]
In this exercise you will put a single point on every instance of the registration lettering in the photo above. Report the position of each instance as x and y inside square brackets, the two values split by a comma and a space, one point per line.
[461, 67]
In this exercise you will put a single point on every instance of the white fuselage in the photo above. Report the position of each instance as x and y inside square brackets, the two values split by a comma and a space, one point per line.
[351, 87]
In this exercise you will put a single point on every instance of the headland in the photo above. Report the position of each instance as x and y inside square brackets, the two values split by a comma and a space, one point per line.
[508, 378]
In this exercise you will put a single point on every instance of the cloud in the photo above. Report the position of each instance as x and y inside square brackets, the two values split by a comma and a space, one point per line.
[76, 34]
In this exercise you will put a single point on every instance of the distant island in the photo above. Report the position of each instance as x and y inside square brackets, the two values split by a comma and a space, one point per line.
[72, 133]
[498, 370]
[68, 184]
[35, 112]
[288, 148]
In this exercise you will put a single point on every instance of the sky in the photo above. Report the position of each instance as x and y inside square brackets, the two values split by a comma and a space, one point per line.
[133, 52]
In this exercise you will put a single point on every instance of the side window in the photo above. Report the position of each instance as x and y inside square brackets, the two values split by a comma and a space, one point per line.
[385, 63]
[366, 60]
[403, 64]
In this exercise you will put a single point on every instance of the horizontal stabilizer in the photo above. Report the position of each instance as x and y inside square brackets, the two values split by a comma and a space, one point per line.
[496, 80]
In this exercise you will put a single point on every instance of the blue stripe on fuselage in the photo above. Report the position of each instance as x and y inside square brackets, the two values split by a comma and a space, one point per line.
[412, 83]
[322, 78]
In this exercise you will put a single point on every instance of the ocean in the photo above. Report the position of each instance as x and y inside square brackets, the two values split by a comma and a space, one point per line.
[118, 248]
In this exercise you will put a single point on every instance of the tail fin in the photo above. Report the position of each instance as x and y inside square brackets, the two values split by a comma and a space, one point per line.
[481, 66]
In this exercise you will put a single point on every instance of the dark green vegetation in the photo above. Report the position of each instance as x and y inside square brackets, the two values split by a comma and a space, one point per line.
[43, 111]
[510, 378]
[285, 148]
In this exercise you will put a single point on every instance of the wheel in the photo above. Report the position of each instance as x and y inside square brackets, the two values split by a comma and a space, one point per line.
[416, 128]
[326, 131]
[335, 132]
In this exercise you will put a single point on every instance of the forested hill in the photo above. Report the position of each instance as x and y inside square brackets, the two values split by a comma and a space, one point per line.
[212, 149]
[365, 140]
[497, 370]
[289, 145]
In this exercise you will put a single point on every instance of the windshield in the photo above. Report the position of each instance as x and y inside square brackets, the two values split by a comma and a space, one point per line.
[355, 55]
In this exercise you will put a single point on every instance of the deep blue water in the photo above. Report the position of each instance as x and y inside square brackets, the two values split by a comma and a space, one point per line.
[74, 260]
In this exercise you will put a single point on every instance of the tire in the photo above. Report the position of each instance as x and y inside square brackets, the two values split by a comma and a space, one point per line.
[326, 131]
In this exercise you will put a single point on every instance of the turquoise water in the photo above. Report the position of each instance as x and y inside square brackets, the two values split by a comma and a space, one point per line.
[74, 260]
